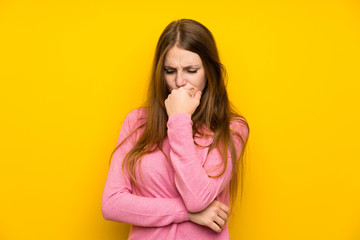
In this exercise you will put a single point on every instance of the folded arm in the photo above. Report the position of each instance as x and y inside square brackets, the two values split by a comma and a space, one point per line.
[196, 188]
[121, 205]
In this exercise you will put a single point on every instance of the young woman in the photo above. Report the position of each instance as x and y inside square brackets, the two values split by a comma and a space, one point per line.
[176, 161]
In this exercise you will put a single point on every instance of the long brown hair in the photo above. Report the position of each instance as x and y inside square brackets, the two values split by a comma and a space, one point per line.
[214, 112]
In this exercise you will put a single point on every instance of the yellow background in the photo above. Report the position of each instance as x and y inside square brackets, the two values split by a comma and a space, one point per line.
[70, 71]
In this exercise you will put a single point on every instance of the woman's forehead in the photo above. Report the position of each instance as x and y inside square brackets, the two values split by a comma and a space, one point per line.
[180, 57]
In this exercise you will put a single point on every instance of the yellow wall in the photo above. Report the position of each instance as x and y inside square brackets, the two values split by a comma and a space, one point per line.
[71, 70]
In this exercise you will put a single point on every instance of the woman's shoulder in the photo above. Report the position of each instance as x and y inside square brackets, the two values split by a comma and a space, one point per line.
[137, 113]
[133, 124]
[239, 125]
[135, 118]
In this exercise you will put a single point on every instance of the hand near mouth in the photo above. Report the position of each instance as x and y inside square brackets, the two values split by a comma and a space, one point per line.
[182, 100]
[191, 92]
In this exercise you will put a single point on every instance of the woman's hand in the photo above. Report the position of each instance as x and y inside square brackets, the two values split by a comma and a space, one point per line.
[180, 101]
[214, 216]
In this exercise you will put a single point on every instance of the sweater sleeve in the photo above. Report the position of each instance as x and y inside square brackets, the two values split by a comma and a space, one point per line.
[120, 204]
[196, 188]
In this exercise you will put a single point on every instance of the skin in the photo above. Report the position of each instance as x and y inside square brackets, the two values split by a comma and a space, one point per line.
[184, 73]
[214, 216]
[185, 77]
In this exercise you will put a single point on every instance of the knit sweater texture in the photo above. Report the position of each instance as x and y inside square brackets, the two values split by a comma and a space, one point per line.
[169, 187]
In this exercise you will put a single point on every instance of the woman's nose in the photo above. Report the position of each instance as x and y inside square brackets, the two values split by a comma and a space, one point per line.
[180, 81]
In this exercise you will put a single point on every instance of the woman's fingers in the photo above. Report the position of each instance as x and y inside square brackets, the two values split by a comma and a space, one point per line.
[214, 216]
[223, 215]
[219, 221]
[215, 227]
[197, 95]
[225, 208]
[180, 101]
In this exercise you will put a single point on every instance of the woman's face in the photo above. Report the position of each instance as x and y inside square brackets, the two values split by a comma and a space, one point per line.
[183, 68]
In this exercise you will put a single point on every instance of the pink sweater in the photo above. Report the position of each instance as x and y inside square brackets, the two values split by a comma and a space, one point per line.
[169, 189]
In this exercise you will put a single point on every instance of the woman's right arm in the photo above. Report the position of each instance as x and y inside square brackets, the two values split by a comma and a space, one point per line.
[121, 205]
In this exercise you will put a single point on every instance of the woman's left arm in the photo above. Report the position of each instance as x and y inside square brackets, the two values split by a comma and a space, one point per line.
[196, 188]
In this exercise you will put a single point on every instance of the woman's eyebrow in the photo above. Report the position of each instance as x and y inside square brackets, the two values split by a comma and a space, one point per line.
[186, 67]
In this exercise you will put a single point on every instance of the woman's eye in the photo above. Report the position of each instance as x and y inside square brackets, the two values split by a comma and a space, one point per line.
[169, 71]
